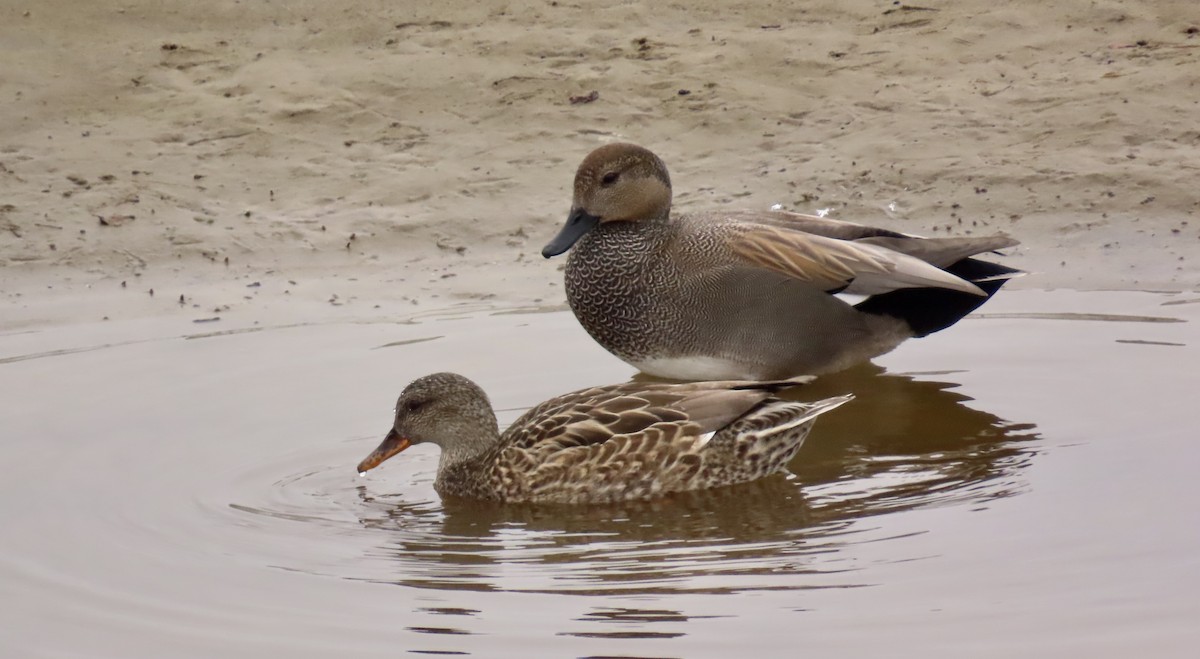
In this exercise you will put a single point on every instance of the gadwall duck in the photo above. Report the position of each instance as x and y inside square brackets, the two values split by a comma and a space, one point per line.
[752, 294]
[619, 442]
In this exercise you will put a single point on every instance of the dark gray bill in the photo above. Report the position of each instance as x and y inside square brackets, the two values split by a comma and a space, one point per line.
[578, 223]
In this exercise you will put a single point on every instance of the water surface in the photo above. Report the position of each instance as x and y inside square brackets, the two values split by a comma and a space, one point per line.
[1021, 483]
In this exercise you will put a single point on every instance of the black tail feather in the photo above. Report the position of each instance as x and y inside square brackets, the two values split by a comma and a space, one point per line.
[929, 310]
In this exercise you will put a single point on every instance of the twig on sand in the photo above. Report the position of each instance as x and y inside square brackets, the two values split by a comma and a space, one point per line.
[214, 138]
[141, 261]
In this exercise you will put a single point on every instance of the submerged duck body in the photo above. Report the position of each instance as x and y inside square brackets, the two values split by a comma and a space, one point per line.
[751, 294]
[603, 444]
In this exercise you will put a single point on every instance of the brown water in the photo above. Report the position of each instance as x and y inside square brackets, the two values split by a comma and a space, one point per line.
[1023, 483]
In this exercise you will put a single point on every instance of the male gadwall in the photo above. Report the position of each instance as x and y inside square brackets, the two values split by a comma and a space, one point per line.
[613, 443]
[750, 294]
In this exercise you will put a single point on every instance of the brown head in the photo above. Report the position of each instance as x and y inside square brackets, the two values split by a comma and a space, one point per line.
[615, 183]
[444, 409]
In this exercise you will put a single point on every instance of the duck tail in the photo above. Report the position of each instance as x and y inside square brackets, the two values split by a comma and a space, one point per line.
[776, 419]
[782, 417]
[774, 431]
[929, 310]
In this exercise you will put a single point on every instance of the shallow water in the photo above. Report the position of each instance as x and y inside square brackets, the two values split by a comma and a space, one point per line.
[1020, 483]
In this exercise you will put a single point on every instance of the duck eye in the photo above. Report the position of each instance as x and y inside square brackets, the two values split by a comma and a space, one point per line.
[609, 178]
[414, 405]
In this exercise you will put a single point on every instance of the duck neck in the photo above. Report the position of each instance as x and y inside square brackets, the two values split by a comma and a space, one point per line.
[470, 440]
[625, 240]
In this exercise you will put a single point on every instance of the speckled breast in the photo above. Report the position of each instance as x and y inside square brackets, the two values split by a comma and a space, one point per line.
[614, 285]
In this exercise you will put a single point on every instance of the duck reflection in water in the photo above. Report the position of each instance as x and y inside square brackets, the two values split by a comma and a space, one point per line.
[930, 449]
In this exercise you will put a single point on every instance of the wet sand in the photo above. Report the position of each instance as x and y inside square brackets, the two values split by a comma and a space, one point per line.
[397, 156]
[1020, 484]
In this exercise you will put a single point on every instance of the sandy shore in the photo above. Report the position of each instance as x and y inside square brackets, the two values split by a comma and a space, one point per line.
[364, 156]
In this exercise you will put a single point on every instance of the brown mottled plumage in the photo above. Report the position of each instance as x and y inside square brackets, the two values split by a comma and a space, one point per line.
[750, 294]
[618, 442]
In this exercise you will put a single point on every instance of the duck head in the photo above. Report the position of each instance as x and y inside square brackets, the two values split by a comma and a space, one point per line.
[444, 409]
[615, 183]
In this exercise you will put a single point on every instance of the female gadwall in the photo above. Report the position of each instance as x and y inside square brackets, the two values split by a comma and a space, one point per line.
[619, 442]
[750, 295]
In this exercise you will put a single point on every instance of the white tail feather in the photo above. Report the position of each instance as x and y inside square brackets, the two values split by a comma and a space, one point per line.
[809, 411]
